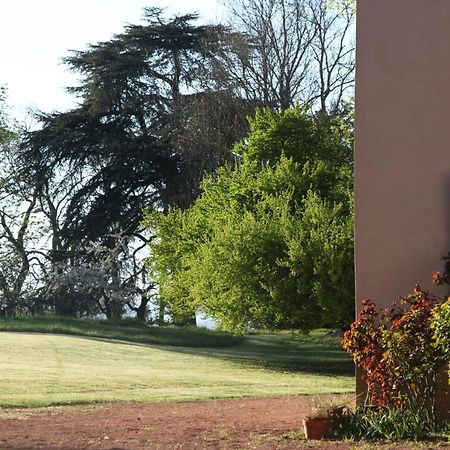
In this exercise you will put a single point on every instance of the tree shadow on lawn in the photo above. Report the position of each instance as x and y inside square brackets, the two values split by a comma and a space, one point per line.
[282, 357]
[273, 352]
[281, 351]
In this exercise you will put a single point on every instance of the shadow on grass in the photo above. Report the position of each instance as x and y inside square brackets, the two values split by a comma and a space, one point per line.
[127, 330]
[282, 355]
[316, 353]
[308, 354]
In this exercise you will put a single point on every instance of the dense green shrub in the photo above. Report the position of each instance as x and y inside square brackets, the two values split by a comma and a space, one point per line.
[441, 321]
[269, 242]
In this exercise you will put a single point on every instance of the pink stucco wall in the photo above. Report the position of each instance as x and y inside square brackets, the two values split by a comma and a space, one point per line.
[402, 156]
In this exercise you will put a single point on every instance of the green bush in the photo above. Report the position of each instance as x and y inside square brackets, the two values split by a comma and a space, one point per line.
[441, 327]
[269, 242]
[441, 321]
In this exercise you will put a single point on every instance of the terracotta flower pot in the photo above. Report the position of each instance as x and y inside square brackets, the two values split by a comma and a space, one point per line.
[317, 427]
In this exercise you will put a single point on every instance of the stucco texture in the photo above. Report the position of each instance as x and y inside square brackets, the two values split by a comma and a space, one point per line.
[402, 152]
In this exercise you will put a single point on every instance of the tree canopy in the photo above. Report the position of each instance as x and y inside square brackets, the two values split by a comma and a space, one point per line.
[119, 138]
[160, 107]
[269, 242]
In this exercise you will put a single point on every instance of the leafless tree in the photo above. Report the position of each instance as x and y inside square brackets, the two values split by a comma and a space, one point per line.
[332, 53]
[19, 231]
[288, 51]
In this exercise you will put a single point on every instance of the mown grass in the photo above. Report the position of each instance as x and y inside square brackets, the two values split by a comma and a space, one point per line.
[318, 352]
[128, 330]
[42, 369]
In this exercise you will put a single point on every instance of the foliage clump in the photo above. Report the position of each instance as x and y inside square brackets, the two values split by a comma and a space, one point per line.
[395, 348]
[269, 242]
[400, 350]
[441, 327]
[441, 319]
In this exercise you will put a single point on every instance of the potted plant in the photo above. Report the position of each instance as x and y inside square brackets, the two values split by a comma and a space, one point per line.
[321, 423]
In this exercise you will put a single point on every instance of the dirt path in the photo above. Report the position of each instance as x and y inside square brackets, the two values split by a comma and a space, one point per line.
[230, 424]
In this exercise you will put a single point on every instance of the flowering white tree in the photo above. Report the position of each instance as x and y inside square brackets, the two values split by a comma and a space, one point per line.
[105, 278]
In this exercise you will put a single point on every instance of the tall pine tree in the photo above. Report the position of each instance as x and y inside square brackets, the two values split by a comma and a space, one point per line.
[124, 142]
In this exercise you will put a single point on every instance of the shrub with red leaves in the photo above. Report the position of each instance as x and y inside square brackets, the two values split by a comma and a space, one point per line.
[395, 348]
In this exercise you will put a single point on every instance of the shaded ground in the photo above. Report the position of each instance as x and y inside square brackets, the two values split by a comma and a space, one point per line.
[231, 424]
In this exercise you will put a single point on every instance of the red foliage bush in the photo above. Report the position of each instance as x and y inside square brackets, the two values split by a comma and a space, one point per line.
[395, 349]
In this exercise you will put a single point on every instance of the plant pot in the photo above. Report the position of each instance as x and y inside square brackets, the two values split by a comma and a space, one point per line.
[317, 427]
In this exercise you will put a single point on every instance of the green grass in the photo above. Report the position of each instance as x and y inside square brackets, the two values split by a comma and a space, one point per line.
[41, 369]
[318, 352]
[128, 329]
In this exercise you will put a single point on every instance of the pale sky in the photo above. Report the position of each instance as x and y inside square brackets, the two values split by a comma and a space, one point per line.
[36, 34]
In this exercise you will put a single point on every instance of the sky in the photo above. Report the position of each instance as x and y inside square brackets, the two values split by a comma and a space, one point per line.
[36, 34]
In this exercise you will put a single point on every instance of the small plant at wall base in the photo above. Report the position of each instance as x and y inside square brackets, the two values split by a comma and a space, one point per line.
[395, 348]
[324, 419]
[400, 351]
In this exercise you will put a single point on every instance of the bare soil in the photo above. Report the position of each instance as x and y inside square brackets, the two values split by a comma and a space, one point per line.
[269, 423]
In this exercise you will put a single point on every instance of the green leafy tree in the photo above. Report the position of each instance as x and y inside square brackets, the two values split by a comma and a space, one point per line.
[269, 242]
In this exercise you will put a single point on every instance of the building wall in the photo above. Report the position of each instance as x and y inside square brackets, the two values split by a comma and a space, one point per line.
[402, 153]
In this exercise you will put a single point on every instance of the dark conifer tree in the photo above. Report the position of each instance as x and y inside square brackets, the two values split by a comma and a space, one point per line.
[124, 137]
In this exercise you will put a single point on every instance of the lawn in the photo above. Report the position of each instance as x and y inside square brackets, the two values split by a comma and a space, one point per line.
[39, 369]
[126, 329]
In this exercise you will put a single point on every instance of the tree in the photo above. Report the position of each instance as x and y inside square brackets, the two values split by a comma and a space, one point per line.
[333, 54]
[209, 125]
[160, 106]
[102, 280]
[292, 50]
[124, 136]
[18, 225]
[269, 242]
[5, 127]
[134, 140]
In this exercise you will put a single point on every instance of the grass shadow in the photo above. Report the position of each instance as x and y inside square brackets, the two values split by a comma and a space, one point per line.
[318, 352]
[285, 354]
